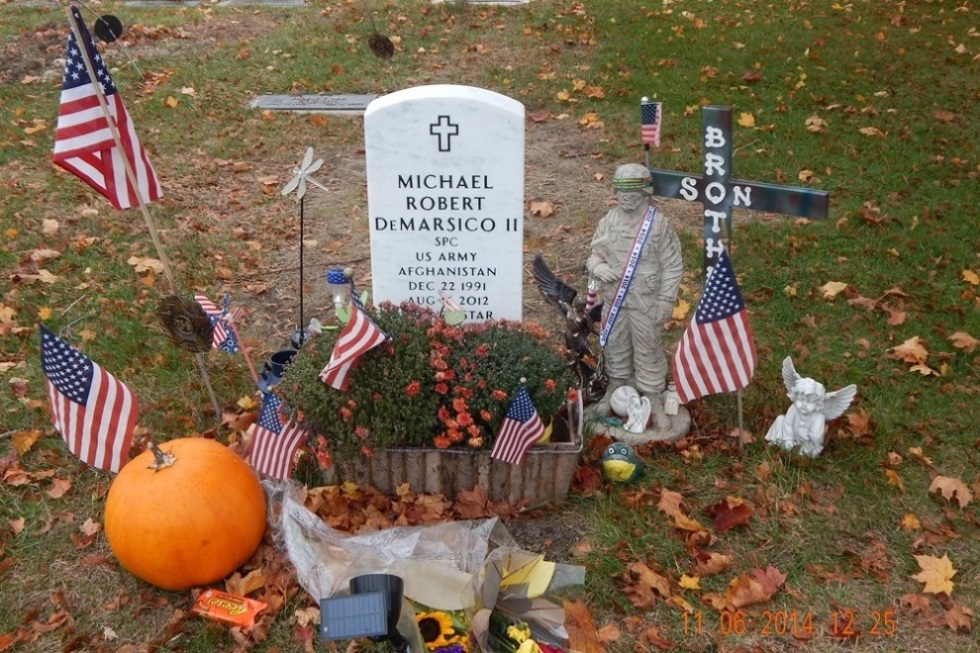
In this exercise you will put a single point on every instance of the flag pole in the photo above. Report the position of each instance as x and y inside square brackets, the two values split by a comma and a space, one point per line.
[241, 345]
[741, 423]
[131, 177]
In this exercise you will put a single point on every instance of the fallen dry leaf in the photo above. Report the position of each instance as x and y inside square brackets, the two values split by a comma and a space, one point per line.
[971, 277]
[542, 209]
[746, 120]
[815, 124]
[690, 582]
[911, 351]
[643, 585]
[680, 310]
[145, 264]
[936, 574]
[959, 618]
[707, 563]
[963, 340]
[729, 513]
[24, 440]
[872, 131]
[893, 479]
[831, 289]
[582, 634]
[608, 633]
[952, 489]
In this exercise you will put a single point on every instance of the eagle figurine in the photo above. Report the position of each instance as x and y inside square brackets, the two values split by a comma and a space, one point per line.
[580, 324]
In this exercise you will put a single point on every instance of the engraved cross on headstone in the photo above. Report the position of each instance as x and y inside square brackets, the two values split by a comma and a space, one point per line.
[444, 129]
[719, 193]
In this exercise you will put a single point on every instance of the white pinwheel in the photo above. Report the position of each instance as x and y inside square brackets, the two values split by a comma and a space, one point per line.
[302, 175]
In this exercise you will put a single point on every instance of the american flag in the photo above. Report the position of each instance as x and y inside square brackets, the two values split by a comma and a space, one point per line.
[717, 352]
[94, 412]
[650, 123]
[84, 144]
[521, 429]
[274, 442]
[224, 337]
[360, 335]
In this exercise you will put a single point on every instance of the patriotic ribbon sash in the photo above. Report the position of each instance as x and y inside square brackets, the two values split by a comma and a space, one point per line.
[624, 283]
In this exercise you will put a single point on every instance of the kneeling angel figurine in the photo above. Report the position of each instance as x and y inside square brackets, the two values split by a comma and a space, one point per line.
[804, 423]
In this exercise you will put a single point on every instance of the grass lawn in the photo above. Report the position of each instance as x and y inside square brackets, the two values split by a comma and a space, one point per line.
[714, 549]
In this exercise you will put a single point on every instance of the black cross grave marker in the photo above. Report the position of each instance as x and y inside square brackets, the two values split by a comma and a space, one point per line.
[444, 129]
[718, 192]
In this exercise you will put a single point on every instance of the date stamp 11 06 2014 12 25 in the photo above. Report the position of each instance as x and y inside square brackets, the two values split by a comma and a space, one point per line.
[803, 624]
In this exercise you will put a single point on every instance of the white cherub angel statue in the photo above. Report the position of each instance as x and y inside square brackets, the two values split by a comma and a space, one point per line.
[804, 423]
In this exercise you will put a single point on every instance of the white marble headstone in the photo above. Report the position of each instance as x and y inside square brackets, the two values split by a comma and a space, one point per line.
[445, 175]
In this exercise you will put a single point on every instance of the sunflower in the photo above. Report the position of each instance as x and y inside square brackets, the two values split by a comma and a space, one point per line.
[436, 628]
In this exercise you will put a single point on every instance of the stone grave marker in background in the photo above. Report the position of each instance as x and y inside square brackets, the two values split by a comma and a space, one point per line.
[334, 104]
[445, 175]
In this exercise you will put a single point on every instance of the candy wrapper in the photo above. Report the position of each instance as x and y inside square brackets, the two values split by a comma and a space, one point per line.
[471, 566]
[230, 608]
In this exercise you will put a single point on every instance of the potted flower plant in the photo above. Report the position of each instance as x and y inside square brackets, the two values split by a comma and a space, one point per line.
[432, 392]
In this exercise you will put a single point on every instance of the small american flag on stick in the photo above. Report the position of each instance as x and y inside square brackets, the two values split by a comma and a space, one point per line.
[360, 335]
[717, 352]
[94, 412]
[650, 113]
[274, 441]
[84, 143]
[222, 320]
[522, 427]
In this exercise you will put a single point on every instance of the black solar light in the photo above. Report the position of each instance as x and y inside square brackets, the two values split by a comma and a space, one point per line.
[372, 610]
[108, 28]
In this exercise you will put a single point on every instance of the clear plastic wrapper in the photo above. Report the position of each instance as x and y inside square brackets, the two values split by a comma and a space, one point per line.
[474, 566]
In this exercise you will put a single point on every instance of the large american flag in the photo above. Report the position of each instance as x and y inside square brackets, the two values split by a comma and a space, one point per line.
[274, 442]
[717, 352]
[360, 335]
[222, 319]
[84, 144]
[94, 412]
[650, 113]
[521, 429]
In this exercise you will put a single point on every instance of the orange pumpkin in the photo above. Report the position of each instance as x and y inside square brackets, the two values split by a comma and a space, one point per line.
[185, 515]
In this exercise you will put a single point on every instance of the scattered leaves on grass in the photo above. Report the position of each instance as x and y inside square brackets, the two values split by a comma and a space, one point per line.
[936, 574]
[952, 489]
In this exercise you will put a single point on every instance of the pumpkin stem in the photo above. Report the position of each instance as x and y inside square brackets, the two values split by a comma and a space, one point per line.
[161, 459]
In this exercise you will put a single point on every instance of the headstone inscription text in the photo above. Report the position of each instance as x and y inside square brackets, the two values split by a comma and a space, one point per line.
[719, 193]
[445, 175]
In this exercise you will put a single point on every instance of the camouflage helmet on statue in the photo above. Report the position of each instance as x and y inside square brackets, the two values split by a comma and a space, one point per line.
[633, 176]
